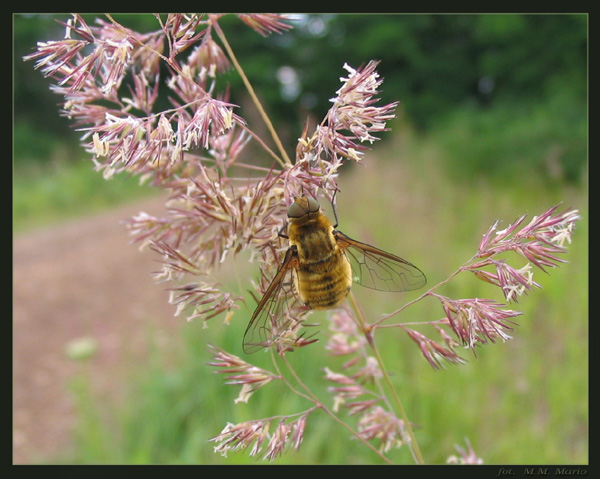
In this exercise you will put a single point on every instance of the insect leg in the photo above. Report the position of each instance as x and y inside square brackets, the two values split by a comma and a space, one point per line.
[334, 209]
[281, 233]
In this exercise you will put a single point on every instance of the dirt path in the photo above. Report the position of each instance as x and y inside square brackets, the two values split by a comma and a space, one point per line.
[77, 280]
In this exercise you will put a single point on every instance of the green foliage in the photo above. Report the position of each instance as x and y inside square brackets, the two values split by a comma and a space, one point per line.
[524, 53]
[546, 139]
[34, 106]
[34, 151]
[434, 63]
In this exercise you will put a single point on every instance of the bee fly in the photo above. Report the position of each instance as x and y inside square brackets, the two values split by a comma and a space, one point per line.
[318, 270]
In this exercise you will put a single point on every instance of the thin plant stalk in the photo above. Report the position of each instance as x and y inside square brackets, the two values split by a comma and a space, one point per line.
[367, 329]
[420, 297]
[327, 411]
[248, 85]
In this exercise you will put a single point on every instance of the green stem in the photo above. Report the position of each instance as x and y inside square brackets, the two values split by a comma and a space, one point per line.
[319, 404]
[429, 292]
[414, 446]
[286, 160]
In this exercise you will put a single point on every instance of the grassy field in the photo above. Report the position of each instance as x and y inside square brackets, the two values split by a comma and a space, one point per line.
[520, 402]
[61, 190]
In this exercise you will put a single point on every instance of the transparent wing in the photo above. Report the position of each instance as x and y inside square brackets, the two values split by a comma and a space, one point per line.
[378, 269]
[278, 312]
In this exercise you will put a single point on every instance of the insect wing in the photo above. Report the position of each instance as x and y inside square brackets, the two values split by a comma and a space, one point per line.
[378, 269]
[272, 316]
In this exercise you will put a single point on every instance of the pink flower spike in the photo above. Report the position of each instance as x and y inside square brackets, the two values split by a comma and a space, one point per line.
[266, 23]
[251, 378]
[241, 436]
[477, 321]
[466, 456]
[539, 241]
[384, 426]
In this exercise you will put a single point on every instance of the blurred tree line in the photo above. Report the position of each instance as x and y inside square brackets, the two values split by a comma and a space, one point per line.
[435, 64]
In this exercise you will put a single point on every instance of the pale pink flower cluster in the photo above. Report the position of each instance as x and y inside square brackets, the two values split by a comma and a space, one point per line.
[352, 391]
[539, 242]
[477, 321]
[253, 435]
[352, 120]
[383, 426]
[466, 456]
[250, 377]
[192, 148]
[434, 351]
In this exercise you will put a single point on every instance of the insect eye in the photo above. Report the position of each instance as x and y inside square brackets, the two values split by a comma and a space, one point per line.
[301, 206]
[313, 205]
[295, 211]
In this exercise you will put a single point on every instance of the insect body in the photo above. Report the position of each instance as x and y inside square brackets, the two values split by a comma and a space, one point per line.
[317, 272]
[322, 275]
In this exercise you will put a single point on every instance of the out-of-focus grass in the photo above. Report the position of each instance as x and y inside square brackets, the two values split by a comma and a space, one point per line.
[516, 138]
[520, 402]
[44, 194]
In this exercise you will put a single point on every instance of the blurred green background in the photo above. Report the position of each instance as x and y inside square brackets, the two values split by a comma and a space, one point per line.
[492, 124]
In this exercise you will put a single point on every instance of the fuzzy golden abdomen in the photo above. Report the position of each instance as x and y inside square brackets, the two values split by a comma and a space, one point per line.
[324, 284]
